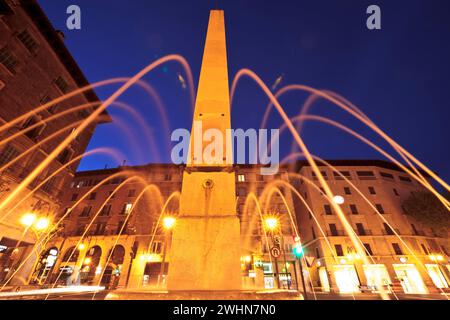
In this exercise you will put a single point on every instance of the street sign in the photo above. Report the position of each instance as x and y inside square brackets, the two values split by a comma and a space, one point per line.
[277, 239]
[309, 260]
[275, 252]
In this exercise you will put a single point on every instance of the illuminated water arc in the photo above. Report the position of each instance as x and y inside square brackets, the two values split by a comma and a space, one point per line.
[302, 199]
[252, 196]
[92, 117]
[108, 151]
[338, 125]
[36, 145]
[370, 125]
[65, 215]
[47, 120]
[310, 160]
[80, 240]
[174, 195]
[151, 187]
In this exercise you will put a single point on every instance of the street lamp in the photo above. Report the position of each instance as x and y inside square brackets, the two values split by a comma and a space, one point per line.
[28, 219]
[338, 200]
[271, 223]
[42, 224]
[168, 224]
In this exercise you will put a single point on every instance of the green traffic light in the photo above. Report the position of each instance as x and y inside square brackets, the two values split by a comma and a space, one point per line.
[298, 251]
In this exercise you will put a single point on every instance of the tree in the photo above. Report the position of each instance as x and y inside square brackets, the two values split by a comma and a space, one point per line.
[428, 210]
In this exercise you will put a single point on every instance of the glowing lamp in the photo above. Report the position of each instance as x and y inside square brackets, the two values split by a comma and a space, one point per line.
[338, 199]
[28, 219]
[169, 222]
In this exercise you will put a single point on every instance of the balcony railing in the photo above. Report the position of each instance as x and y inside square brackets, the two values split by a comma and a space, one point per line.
[336, 233]
[364, 232]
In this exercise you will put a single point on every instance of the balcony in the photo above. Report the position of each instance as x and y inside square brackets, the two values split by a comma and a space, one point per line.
[336, 233]
[364, 232]
[390, 232]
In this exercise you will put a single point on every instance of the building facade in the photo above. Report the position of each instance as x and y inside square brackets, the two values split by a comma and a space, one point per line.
[417, 262]
[35, 61]
[97, 221]
[113, 235]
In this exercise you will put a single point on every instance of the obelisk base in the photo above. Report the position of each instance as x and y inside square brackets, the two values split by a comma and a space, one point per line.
[205, 254]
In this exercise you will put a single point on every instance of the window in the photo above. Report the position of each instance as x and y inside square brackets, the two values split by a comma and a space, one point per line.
[388, 230]
[126, 208]
[372, 190]
[9, 153]
[28, 41]
[242, 192]
[342, 174]
[8, 60]
[156, 247]
[48, 186]
[404, 179]
[167, 177]
[80, 230]
[241, 177]
[121, 226]
[396, 192]
[34, 132]
[46, 99]
[313, 233]
[347, 190]
[327, 209]
[131, 192]
[92, 195]
[105, 210]
[65, 155]
[425, 249]
[86, 211]
[112, 195]
[365, 175]
[74, 197]
[339, 251]
[333, 229]
[360, 229]
[398, 251]
[368, 249]
[387, 175]
[100, 229]
[323, 173]
[379, 208]
[322, 192]
[353, 209]
[414, 229]
[61, 84]
[317, 253]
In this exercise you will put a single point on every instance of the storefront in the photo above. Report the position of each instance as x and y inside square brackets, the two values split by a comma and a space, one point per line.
[324, 282]
[377, 274]
[410, 278]
[346, 278]
[437, 276]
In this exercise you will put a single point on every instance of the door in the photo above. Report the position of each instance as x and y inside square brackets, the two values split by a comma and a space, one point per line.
[410, 278]
[346, 278]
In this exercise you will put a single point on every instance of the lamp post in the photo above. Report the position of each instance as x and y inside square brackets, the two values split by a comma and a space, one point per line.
[298, 253]
[272, 223]
[29, 221]
[168, 224]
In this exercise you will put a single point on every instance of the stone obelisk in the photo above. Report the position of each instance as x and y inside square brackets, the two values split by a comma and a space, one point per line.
[205, 250]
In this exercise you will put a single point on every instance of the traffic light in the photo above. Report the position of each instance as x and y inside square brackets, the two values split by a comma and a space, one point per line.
[298, 250]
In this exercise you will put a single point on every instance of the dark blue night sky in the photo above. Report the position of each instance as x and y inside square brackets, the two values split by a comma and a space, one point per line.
[399, 76]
